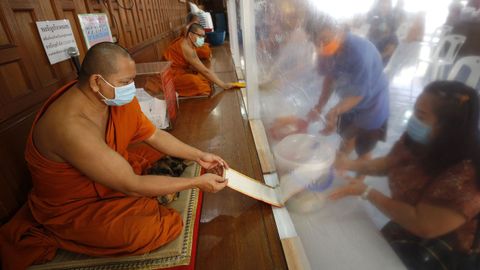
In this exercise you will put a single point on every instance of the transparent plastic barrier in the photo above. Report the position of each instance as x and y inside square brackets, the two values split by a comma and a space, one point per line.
[336, 235]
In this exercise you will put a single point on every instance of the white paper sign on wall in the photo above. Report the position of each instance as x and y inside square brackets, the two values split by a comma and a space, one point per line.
[95, 28]
[57, 37]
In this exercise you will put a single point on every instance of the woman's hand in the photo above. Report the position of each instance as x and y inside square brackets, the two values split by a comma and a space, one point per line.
[209, 161]
[353, 188]
[314, 115]
[342, 163]
[331, 122]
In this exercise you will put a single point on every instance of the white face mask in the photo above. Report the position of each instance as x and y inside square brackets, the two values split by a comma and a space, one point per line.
[418, 130]
[123, 94]
[199, 42]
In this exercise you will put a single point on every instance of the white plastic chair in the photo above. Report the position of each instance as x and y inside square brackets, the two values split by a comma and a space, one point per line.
[439, 33]
[445, 53]
[470, 62]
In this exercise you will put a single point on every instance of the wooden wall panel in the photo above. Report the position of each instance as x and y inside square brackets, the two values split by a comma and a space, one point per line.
[22, 90]
[17, 88]
[146, 54]
[15, 179]
[3, 35]
[128, 23]
[27, 78]
[119, 26]
[25, 20]
[139, 22]
[147, 18]
[69, 9]
[161, 13]
[94, 6]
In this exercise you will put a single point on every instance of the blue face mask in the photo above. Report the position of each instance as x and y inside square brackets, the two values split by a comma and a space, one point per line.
[418, 131]
[199, 42]
[123, 94]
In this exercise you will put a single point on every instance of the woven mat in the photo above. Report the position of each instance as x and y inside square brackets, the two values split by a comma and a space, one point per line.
[175, 253]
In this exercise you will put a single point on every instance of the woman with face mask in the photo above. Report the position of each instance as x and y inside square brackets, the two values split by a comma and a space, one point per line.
[433, 172]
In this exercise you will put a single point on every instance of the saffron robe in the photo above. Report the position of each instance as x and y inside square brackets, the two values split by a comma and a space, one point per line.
[187, 83]
[66, 209]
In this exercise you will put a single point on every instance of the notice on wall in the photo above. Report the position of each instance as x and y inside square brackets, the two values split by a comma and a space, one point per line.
[57, 37]
[95, 28]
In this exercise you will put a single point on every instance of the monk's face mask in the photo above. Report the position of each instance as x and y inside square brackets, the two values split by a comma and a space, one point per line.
[123, 94]
[199, 40]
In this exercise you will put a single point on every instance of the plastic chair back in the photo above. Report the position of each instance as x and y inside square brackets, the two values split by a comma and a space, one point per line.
[470, 62]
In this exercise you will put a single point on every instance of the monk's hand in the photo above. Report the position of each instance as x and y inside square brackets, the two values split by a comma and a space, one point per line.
[227, 86]
[209, 161]
[210, 182]
[330, 123]
[353, 188]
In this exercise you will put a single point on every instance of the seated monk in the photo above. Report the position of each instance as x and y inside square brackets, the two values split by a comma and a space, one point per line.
[86, 151]
[191, 76]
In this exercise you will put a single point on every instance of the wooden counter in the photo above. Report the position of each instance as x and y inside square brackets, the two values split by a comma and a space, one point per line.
[236, 232]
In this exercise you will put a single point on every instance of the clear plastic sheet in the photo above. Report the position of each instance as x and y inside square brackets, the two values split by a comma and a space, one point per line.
[336, 235]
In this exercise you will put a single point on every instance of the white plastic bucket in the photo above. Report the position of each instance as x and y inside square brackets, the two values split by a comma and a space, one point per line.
[304, 161]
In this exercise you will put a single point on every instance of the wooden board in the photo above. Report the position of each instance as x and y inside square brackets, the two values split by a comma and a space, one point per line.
[239, 72]
[295, 254]
[233, 226]
[252, 188]
[263, 149]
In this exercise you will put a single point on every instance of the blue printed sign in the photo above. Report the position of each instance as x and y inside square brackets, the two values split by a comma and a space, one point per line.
[95, 28]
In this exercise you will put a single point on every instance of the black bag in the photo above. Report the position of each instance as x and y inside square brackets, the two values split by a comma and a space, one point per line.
[437, 254]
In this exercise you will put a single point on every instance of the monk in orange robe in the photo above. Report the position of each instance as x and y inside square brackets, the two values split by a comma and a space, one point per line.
[86, 151]
[191, 76]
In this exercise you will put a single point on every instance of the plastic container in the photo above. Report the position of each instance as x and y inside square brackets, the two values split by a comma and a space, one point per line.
[205, 20]
[304, 165]
[216, 38]
[220, 22]
[307, 155]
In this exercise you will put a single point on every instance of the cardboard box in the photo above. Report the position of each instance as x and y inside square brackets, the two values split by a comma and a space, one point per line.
[157, 79]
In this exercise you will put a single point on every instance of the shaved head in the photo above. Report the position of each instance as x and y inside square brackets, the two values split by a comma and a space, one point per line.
[102, 59]
[195, 27]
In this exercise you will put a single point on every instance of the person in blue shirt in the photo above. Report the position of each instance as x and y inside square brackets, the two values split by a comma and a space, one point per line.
[353, 69]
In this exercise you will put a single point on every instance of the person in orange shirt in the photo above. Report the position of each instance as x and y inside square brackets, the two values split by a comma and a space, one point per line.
[86, 152]
[191, 76]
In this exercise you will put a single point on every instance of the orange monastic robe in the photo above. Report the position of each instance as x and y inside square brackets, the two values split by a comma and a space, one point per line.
[187, 83]
[67, 210]
[204, 52]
